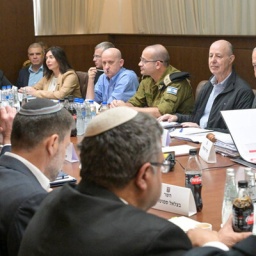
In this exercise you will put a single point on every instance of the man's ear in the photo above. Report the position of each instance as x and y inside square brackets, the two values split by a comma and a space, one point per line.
[232, 58]
[52, 144]
[121, 62]
[143, 176]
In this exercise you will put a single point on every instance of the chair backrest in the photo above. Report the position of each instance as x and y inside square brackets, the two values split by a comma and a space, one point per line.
[83, 81]
[199, 87]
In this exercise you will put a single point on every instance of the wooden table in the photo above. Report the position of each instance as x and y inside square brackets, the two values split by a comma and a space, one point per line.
[213, 184]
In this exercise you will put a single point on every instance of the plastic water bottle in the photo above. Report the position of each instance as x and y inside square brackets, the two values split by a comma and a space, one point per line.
[80, 116]
[250, 177]
[88, 115]
[4, 96]
[193, 178]
[230, 193]
[104, 106]
[93, 108]
[72, 111]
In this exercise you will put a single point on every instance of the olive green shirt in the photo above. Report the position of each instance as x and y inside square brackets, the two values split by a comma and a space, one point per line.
[174, 98]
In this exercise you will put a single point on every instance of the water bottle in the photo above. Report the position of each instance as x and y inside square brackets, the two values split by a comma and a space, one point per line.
[242, 209]
[9, 95]
[230, 193]
[193, 178]
[72, 111]
[104, 106]
[88, 114]
[16, 102]
[24, 97]
[80, 116]
[4, 96]
[93, 108]
[250, 177]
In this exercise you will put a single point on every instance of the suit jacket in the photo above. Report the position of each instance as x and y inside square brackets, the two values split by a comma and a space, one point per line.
[3, 79]
[236, 95]
[90, 220]
[67, 84]
[23, 77]
[20, 196]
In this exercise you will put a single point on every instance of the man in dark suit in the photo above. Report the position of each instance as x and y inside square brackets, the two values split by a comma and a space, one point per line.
[3, 79]
[121, 158]
[39, 137]
[31, 74]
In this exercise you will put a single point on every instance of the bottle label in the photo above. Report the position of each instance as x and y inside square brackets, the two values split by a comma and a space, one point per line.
[243, 215]
[194, 182]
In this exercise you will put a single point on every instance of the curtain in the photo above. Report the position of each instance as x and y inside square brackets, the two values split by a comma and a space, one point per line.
[180, 17]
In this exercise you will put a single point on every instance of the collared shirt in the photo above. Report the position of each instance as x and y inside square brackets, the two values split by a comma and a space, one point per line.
[217, 89]
[42, 179]
[34, 77]
[122, 86]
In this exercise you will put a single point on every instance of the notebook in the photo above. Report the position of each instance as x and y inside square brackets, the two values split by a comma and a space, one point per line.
[241, 124]
[61, 179]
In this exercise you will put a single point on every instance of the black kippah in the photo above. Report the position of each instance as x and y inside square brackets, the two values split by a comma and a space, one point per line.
[39, 106]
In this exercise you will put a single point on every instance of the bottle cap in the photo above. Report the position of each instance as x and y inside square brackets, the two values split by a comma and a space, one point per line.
[242, 183]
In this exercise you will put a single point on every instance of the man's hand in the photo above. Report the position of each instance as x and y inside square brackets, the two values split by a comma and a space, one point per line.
[168, 118]
[92, 73]
[117, 103]
[228, 236]
[7, 115]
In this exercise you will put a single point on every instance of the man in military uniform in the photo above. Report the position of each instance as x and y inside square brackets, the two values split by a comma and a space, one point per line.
[163, 89]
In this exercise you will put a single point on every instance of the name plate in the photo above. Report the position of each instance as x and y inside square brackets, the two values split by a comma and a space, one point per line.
[207, 151]
[176, 199]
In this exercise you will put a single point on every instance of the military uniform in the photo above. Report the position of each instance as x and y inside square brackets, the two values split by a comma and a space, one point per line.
[175, 97]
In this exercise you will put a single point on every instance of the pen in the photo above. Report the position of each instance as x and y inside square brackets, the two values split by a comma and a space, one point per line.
[181, 129]
[101, 70]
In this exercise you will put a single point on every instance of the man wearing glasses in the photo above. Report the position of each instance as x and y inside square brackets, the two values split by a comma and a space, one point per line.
[95, 72]
[105, 214]
[29, 76]
[157, 94]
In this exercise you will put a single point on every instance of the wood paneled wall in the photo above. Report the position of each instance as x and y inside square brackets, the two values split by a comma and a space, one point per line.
[188, 53]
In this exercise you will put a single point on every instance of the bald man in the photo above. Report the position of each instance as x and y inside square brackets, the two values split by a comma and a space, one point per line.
[117, 82]
[158, 92]
[225, 90]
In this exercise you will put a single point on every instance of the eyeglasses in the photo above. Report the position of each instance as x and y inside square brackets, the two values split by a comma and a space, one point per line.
[36, 53]
[97, 56]
[165, 166]
[144, 61]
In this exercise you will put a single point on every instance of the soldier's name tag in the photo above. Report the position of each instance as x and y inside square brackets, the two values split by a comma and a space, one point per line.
[172, 90]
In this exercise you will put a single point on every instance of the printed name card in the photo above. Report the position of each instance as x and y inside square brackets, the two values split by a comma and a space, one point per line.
[71, 155]
[166, 138]
[207, 151]
[176, 199]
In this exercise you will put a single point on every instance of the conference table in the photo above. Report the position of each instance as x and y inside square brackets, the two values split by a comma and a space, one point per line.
[213, 181]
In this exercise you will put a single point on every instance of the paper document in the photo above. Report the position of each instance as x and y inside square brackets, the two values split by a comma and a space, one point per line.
[179, 150]
[184, 223]
[241, 124]
[190, 134]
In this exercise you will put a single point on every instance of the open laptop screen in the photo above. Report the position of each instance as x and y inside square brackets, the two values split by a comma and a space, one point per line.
[242, 125]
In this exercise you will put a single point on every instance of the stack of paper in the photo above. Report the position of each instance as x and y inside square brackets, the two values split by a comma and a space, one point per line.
[225, 144]
[190, 134]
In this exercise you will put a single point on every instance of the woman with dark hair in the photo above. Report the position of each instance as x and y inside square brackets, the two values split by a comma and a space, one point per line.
[59, 79]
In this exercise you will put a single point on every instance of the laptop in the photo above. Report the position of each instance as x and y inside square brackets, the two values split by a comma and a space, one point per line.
[241, 124]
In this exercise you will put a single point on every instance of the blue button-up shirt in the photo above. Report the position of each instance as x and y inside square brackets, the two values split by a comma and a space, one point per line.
[35, 77]
[122, 86]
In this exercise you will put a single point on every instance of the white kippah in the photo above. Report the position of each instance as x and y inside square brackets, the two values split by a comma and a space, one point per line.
[109, 119]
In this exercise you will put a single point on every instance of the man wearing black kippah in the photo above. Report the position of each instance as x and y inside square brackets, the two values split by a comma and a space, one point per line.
[39, 138]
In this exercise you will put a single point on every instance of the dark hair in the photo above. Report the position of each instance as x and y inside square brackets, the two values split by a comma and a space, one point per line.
[113, 158]
[29, 131]
[60, 57]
